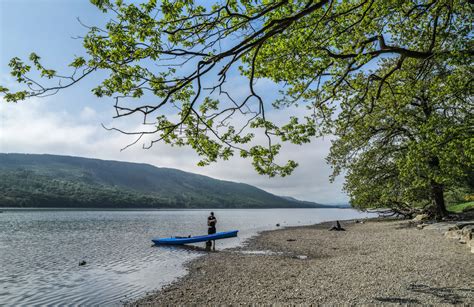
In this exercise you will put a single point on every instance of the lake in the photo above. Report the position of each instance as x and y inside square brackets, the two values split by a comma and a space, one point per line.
[40, 250]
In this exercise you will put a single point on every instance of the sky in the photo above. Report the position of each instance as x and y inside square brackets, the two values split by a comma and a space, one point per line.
[70, 123]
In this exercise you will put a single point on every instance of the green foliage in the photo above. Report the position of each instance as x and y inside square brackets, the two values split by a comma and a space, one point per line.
[458, 194]
[313, 48]
[411, 139]
[461, 207]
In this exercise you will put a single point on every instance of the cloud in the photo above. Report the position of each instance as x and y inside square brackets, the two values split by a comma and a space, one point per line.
[31, 127]
[88, 113]
[34, 127]
[310, 181]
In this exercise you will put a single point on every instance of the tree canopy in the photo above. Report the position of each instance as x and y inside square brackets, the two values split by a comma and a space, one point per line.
[323, 54]
[410, 145]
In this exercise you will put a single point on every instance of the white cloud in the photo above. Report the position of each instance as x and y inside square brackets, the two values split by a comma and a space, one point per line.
[88, 113]
[32, 127]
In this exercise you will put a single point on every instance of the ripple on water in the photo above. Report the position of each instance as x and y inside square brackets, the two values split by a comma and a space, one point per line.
[40, 250]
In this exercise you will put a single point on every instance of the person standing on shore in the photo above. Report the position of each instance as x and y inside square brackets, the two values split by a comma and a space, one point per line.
[211, 224]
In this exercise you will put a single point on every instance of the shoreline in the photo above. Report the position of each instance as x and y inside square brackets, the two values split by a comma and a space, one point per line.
[375, 262]
[153, 209]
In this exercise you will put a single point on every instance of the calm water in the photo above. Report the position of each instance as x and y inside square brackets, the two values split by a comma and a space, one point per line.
[40, 249]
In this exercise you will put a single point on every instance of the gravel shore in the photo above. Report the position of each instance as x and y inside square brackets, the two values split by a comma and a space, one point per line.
[377, 262]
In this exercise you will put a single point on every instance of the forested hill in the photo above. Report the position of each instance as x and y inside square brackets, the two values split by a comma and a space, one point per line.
[28, 180]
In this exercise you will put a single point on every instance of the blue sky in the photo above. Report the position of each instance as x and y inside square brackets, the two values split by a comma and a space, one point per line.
[70, 122]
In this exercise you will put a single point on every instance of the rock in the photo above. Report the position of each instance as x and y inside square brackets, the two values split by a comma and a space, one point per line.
[453, 234]
[82, 263]
[464, 233]
[454, 227]
[291, 240]
[421, 217]
[446, 226]
[467, 234]
[471, 245]
[301, 257]
[421, 226]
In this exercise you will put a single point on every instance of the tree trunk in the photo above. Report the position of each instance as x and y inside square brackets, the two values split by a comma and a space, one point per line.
[437, 192]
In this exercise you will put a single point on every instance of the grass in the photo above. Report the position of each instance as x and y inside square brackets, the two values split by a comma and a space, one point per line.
[461, 207]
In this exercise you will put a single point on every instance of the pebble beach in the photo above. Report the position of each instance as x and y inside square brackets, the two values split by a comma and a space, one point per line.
[374, 262]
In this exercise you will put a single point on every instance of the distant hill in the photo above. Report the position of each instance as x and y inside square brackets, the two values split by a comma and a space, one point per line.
[28, 180]
[341, 206]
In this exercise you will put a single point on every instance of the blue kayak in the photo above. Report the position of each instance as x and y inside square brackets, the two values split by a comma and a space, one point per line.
[186, 240]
